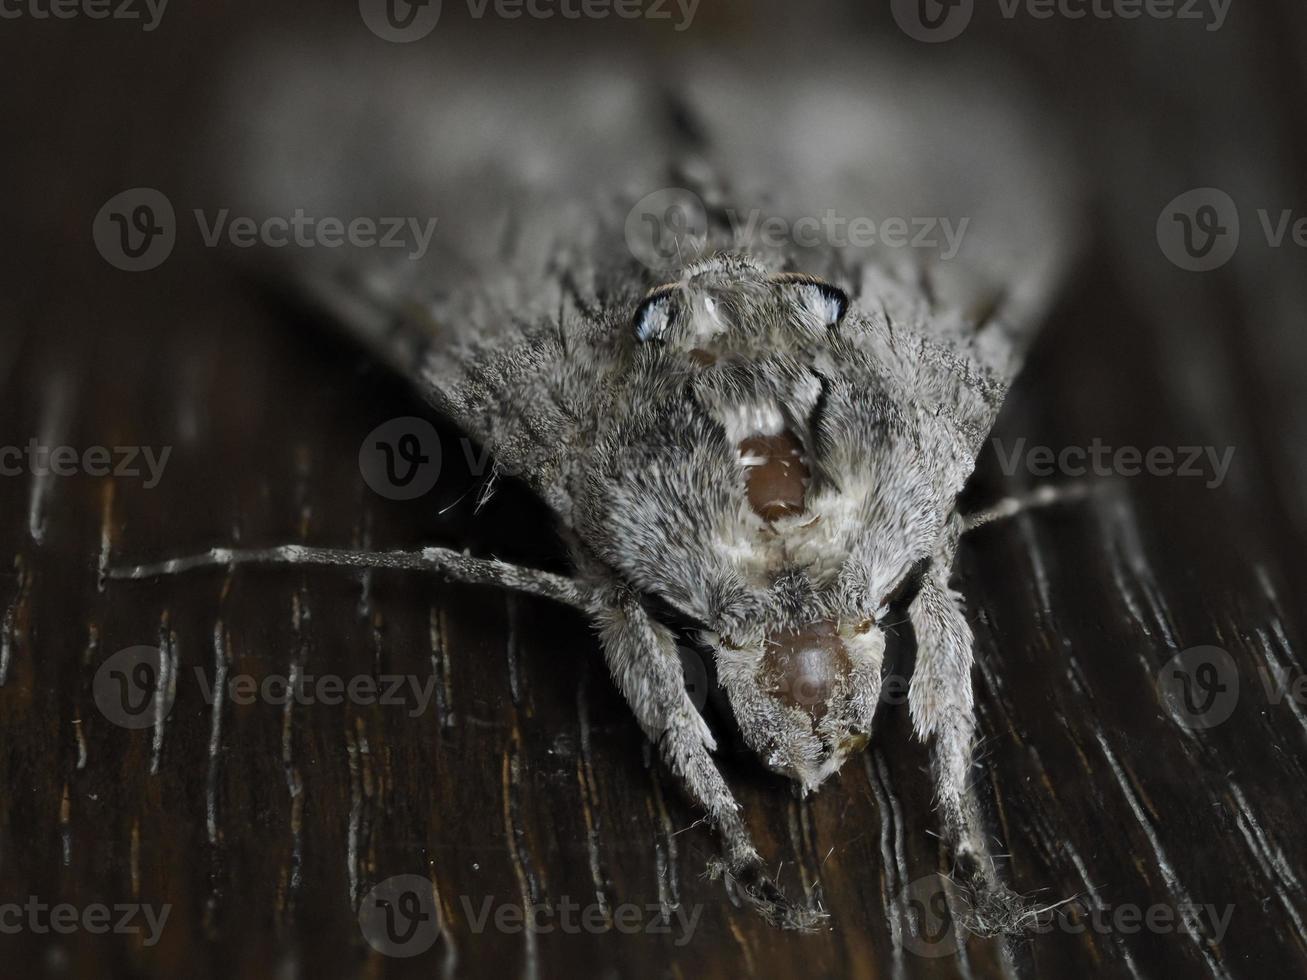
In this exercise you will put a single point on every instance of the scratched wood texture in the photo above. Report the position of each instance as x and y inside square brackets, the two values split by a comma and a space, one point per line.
[524, 781]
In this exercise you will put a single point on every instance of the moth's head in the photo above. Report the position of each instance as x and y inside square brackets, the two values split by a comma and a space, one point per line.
[804, 696]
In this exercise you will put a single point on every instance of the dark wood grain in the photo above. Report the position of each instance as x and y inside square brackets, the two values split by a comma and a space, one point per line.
[524, 780]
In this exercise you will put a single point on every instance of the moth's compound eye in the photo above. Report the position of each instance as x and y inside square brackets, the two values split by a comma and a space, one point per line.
[654, 315]
[825, 302]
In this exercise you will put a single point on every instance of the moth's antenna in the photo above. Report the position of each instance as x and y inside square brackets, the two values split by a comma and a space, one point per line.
[444, 562]
[1045, 496]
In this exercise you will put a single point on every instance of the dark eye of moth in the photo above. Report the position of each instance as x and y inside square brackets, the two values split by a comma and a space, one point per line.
[830, 301]
[654, 314]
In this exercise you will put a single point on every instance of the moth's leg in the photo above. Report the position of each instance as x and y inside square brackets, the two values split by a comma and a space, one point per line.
[942, 705]
[1045, 496]
[448, 564]
[642, 658]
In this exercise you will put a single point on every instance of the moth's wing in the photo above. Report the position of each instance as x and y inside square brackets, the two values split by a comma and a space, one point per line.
[494, 315]
[961, 158]
[506, 317]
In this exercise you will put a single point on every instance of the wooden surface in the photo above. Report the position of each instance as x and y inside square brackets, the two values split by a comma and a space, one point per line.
[263, 827]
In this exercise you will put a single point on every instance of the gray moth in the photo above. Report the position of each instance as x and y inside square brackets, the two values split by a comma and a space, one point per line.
[744, 332]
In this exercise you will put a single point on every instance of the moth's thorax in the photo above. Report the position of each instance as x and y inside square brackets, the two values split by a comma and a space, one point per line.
[764, 474]
[801, 500]
[743, 455]
[791, 515]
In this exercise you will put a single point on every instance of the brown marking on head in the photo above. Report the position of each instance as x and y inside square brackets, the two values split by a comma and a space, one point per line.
[804, 666]
[703, 358]
[778, 485]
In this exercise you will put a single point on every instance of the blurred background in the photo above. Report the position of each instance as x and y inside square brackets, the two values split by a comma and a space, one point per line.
[517, 777]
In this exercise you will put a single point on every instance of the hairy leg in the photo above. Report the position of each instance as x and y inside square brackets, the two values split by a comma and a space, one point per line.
[646, 668]
[641, 656]
[942, 705]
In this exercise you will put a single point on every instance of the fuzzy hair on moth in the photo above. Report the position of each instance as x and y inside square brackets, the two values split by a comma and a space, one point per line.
[764, 441]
